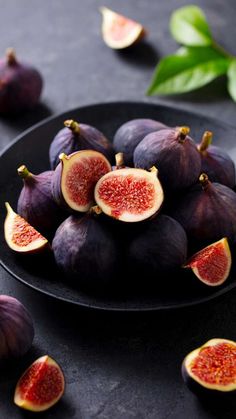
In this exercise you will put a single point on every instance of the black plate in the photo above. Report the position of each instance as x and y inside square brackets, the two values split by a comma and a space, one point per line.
[31, 148]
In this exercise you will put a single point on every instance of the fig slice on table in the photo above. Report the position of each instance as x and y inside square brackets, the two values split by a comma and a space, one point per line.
[212, 264]
[75, 178]
[20, 235]
[41, 385]
[118, 31]
[211, 369]
[130, 194]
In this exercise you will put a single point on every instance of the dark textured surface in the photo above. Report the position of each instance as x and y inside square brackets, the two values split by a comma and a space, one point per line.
[116, 365]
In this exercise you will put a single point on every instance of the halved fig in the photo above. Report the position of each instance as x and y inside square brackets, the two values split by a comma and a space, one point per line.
[129, 195]
[118, 31]
[75, 178]
[41, 385]
[20, 235]
[212, 264]
[211, 369]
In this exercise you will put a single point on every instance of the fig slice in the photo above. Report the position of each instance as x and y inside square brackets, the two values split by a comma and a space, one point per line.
[41, 385]
[20, 235]
[129, 194]
[212, 264]
[118, 31]
[75, 178]
[211, 368]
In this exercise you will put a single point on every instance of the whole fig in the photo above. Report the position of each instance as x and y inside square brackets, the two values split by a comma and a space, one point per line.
[174, 154]
[216, 163]
[76, 137]
[207, 212]
[159, 247]
[36, 204]
[16, 328]
[85, 250]
[129, 135]
[20, 85]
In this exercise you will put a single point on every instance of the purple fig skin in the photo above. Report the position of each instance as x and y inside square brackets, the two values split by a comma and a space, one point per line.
[68, 140]
[36, 204]
[56, 189]
[16, 328]
[216, 163]
[159, 247]
[207, 213]
[131, 133]
[174, 154]
[85, 251]
[20, 85]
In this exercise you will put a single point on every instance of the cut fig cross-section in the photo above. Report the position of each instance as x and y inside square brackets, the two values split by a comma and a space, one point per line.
[129, 195]
[41, 386]
[75, 178]
[20, 235]
[212, 264]
[211, 369]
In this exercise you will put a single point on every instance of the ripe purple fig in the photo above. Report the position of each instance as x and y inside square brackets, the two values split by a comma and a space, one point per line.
[216, 163]
[160, 246]
[36, 204]
[207, 212]
[20, 85]
[16, 328]
[85, 250]
[75, 178]
[175, 155]
[129, 135]
[76, 137]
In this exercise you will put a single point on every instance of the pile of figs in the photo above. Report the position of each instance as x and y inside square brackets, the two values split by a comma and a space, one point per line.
[142, 204]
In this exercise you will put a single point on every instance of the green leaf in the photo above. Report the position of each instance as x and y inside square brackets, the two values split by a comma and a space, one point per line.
[232, 79]
[189, 69]
[188, 26]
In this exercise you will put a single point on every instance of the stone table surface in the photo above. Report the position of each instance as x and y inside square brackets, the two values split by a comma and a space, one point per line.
[117, 365]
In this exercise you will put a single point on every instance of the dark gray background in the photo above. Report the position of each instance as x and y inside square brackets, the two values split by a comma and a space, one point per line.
[116, 365]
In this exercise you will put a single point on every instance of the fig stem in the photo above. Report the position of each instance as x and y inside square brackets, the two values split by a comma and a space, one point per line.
[63, 157]
[204, 180]
[72, 125]
[119, 157]
[206, 141]
[95, 210]
[23, 172]
[154, 170]
[182, 133]
[8, 207]
[11, 56]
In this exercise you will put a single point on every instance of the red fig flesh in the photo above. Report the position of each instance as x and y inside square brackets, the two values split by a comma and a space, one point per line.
[20, 235]
[75, 178]
[129, 194]
[212, 264]
[118, 31]
[41, 386]
[216, 163]
[211, 369]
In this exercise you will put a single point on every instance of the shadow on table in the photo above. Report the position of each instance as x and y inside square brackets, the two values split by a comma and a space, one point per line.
[142, 54]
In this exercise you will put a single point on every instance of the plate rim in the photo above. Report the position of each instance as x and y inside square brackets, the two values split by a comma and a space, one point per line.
[96, 306]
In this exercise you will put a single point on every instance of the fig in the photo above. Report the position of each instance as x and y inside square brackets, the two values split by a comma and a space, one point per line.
[216, 163]
[16, 328]
[85, 250]
[20, 235]
[131, 133]
[76, 137]
[36, 204]
[118, 31]
[210, 369]
[207, 212]
[174, 153]
[41, 386]
[129, 195]
[159, 247]
[212, 264]
[75, 178]
[20, 85]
